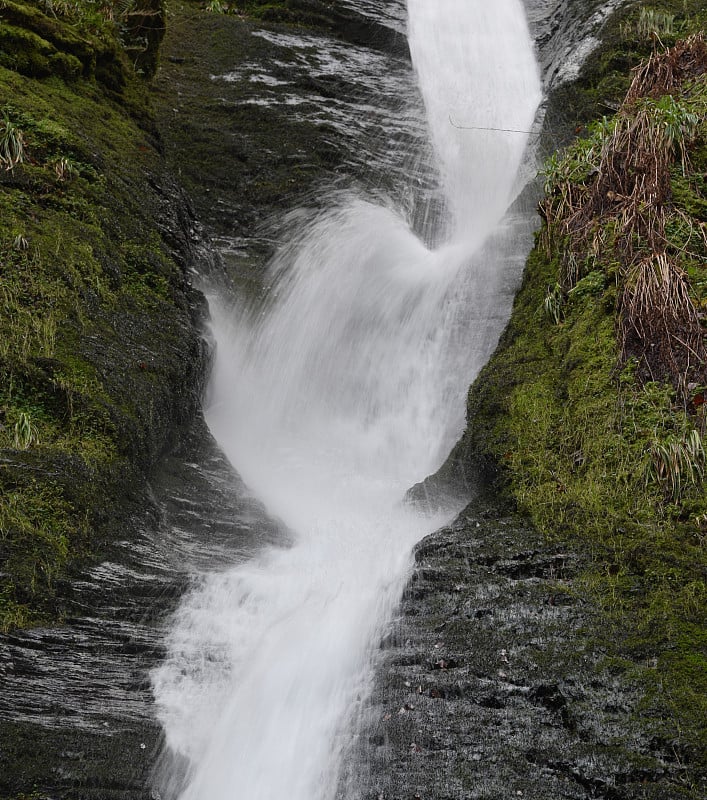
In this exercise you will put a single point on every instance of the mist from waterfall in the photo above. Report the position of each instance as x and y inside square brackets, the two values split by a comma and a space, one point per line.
[331, 399]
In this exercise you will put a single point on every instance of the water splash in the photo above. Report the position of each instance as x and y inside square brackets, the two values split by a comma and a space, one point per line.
[331, 401]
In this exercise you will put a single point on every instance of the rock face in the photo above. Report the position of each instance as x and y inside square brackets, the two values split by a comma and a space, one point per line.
[103, 357]
[486, 687]
[76, 709]
[249, 124]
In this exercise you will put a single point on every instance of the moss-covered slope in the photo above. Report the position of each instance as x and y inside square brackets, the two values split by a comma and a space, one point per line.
[99, 354]
[590, 416]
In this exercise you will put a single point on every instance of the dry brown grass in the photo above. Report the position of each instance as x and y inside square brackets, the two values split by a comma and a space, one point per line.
[659, 324]
[617, 213]
[666, 72]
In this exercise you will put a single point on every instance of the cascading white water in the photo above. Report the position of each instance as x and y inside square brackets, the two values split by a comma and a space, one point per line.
[478, 76]
[331, 401]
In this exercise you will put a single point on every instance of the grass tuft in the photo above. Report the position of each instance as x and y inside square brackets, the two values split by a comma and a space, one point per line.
[12, 144]
[677, 465]
[25, 431]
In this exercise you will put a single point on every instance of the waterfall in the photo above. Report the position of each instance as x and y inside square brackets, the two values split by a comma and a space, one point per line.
[331, 399]
[479, 80]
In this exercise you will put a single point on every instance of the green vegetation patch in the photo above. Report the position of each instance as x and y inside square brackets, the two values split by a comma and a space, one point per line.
[302, 12]
[95, 326]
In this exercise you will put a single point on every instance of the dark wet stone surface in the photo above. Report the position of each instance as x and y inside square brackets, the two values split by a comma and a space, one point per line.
[488, 687]
[76, 709]
[565, 33]
[260, 119]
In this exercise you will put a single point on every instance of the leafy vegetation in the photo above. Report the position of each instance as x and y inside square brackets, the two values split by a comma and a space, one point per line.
[677, 464]
[12, 144]
[298, 12]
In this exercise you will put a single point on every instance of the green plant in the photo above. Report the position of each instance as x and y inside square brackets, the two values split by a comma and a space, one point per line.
[12, 144]
[63, 168]
[675, 122]
[25, 431]
[552, 305]
[593, 283]
[45, 333]
[653, 22]
[60, 8]
[677, 464]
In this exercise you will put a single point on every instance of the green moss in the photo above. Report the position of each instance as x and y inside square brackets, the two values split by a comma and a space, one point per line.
[25, 51]
[86, 283]
[569, 436]
[35, 517]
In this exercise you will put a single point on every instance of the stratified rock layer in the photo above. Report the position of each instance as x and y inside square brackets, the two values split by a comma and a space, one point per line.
[487, 689]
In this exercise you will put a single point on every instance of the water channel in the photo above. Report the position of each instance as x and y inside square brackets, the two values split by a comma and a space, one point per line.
[339, 392]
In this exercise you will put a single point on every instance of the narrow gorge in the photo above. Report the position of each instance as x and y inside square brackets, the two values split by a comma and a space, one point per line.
[290, 587]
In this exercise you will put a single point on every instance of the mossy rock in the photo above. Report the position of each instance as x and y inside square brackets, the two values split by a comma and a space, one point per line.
[26, 52]
[58, 35]
[102, 357]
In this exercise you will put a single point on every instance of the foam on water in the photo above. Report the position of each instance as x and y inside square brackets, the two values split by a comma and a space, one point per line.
[331, 400]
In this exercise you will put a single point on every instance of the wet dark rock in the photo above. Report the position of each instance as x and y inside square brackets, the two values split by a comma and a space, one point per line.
[243, 152]
[76, 710]
[501, 691]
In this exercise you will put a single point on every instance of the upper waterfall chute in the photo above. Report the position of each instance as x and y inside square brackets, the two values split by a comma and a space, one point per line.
[480, 83]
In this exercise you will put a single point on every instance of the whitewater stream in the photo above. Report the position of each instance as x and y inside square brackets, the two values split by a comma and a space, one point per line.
[335, 394]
